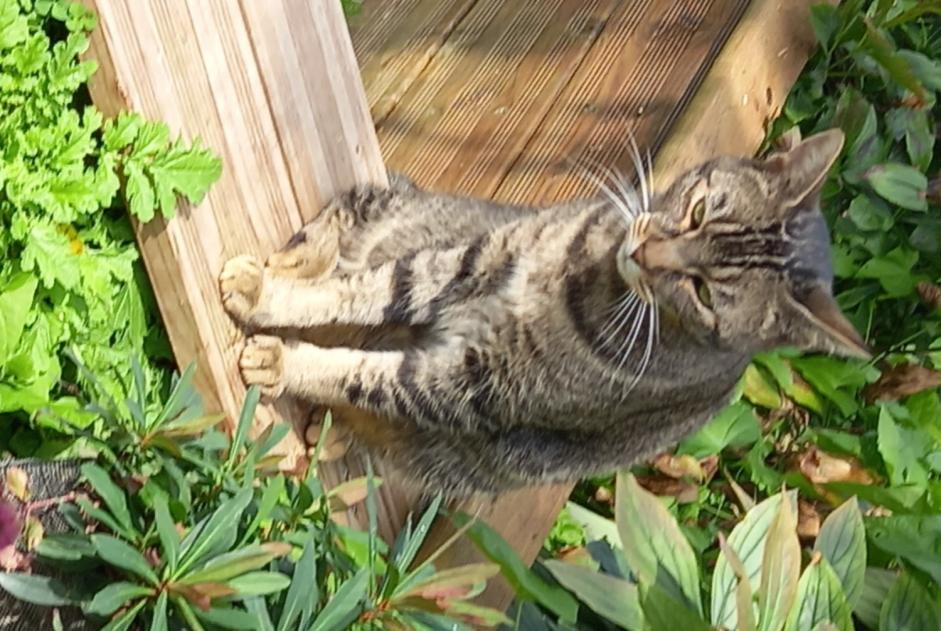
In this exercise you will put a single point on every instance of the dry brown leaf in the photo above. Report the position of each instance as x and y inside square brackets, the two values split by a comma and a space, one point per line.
[901, 381]
[930, 294]
[17, 483]
[821, 468]
[603, 495]
[679, 466]
[684, 492]
[709, 466]
[808, 520]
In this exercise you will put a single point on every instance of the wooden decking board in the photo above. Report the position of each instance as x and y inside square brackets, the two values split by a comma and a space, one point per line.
[634, 82]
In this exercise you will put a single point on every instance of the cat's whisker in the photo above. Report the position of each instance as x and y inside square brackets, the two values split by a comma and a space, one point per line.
[623, 304]
[641, 174]
[616, 188]
[652, 334]
[631, 338]
[625, 317]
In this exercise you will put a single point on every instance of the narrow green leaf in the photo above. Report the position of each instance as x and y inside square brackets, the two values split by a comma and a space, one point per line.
[126, 619]
[231, 564]
[780, 570]
[909, 607]
[187, 613]
[190, 427]
[405, 554]
[119, 554]
[65, 547]
[245, 422]
[842, 541]
[112, 597]
[819, 599]
[526, 584]
[228, 618]
[896, 66]
[103, 517]
[39, 590]
[159, 621]
[260, 583]
[303, 592]
[259, 609]
[215, 533]
[653, 543]
[345, 604]
[612, 598]
[461, 576]
[269, 498]
[166, 530]
[109, 492]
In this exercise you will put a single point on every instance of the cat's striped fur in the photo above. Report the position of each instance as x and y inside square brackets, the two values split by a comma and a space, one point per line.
[498, 346]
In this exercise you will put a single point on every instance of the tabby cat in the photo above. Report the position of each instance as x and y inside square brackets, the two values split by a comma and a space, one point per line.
[500, 346]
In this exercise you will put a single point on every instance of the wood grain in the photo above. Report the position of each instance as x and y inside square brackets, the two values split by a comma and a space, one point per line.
[272, 87]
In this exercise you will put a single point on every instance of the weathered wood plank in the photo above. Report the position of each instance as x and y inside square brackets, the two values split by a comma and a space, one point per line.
[274, 88]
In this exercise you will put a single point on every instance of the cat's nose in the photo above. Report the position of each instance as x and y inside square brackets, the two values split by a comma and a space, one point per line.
[659, 254]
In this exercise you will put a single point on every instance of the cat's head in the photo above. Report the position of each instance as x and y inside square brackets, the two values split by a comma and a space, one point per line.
[738, 251]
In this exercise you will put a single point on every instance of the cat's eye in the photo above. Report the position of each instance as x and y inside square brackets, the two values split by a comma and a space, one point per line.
[699, 212]
[702, 292]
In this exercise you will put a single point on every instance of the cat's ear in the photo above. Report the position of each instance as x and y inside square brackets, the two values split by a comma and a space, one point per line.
[829, 329]
[803, 169]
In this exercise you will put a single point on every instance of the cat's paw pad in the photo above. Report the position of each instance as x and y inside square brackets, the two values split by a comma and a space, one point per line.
[240, 284]
[262, 364]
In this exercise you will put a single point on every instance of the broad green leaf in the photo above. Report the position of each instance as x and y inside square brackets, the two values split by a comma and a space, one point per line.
[526, 584]
[909, 607]
[228, 618]
[260, 583]
[112, 597]
[826, 21]
[653, 544]
[16, 301]
[915, 538]
[901, 450]
[166, 530]
[39, 590]
[189, 171]
[876, 586]
[65, 547]
[735, 426]
[819, 599]
[303, 593]
[345, 604]
[231, 564]
[612, 598]
[896, 66]
[159, 620]
[126, 619]
[842, 542]
[663, 612]
[109, 492]
[595, 526]
[748, 539]
[214, 534]
[900, 184]
[119, 554]
[780, 570]
[870, 213]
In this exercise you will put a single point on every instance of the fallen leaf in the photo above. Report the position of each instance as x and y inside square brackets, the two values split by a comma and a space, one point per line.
[709, 465]
[684, 492]
[17, 483]
[808, 520]
[901, 381]
[930, 293]
[822, 468]
[678, 467]
[33, 533]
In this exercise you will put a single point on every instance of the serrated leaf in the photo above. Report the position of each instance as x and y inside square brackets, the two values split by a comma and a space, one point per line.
[842, 542]
[189, 171]
[653, 544]
[118, 133]
[140, 193]
[748, 539]
[612, 598]
[820, 599]
[15, 304]
[780, 570]
[119, 554]
[909, 607]
[112, 597]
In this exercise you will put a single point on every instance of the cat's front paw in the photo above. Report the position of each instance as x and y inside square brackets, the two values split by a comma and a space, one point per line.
[262, 364]
[240, 284]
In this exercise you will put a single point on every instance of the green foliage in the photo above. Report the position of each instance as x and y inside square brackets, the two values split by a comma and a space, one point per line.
[179, 525]
[71, 275]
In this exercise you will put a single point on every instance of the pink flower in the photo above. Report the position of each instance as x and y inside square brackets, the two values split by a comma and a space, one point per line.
[9, 525]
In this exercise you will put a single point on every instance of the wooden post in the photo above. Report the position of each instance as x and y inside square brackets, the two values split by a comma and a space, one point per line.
[274, 88]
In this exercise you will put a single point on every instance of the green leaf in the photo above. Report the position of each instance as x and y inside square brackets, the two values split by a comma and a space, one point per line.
[228, 618]
[109, 492]
[214, 534]
[269, 498]
[345, 604]
[125, 620]
[869, 213]
[655, 548]
[114, 596]
[189, 171]
[825, 20]
[303, 593]
[119, 554]
[526, 584]
[140, 193]
[909, 606]
[166, 530]
[612, 598]
[65, 547]
[900, 184]
[412, 539]
[901, 450]
[261, 583]
[735, 426]
[159, 621]
[662, 612]
[232, 564]
[819, 599]
[187, 614]
[39, 590]
[876, 586]
[748, 539]
[48, 252]
[896, 66]
[744, 598]
[244, 424]
[842, 542]
[780, 570]
[915, 538]
[15, 304]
